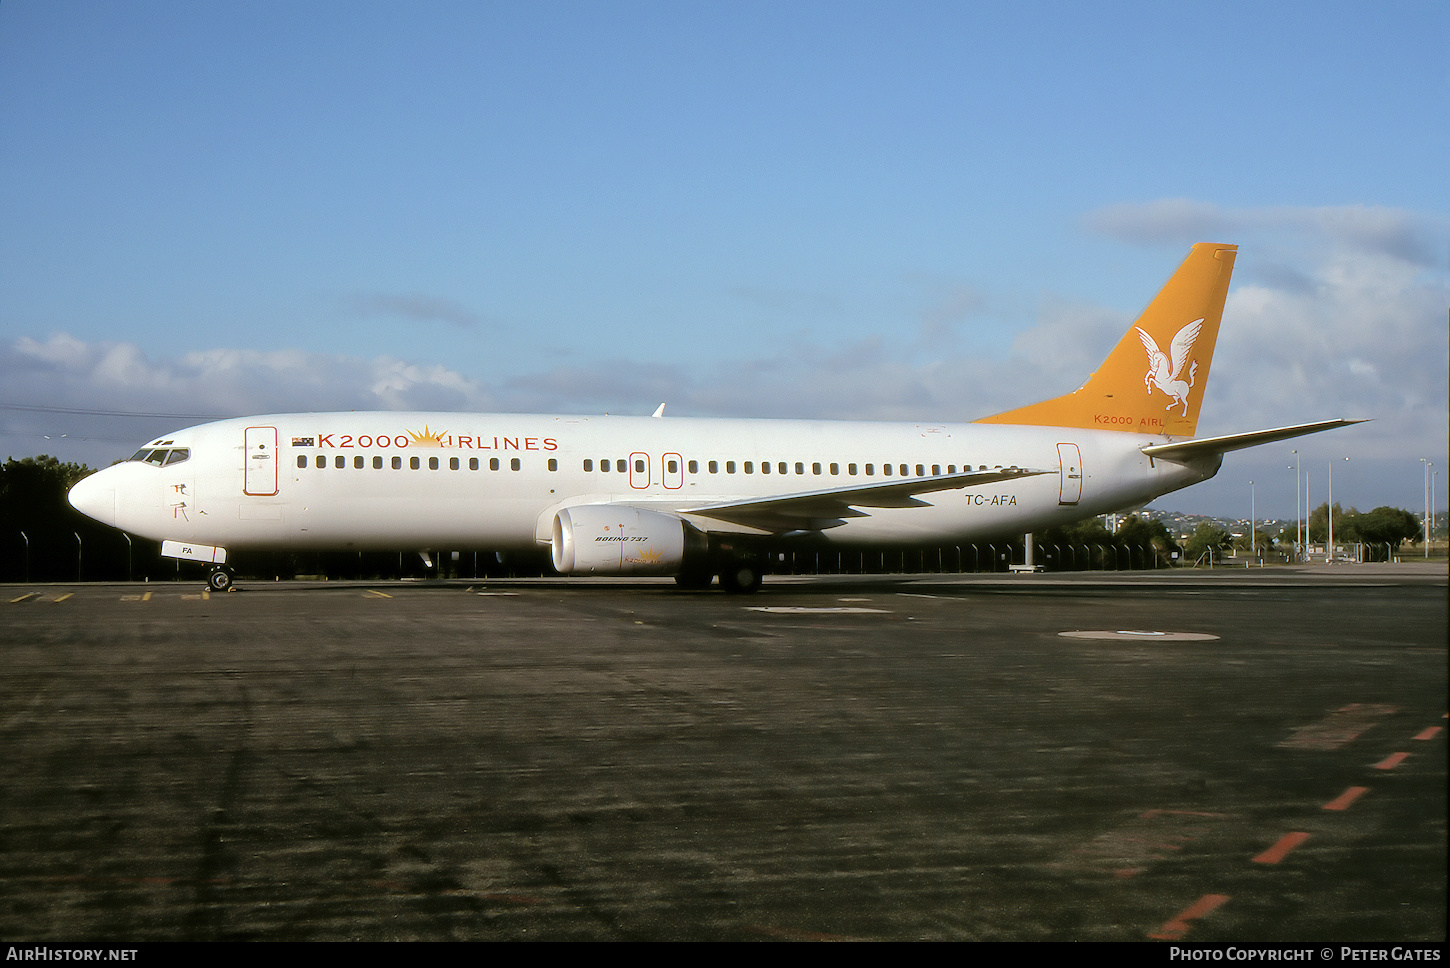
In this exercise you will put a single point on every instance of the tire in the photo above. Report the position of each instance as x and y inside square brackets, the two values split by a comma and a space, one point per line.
[220, 580]
[740, 578]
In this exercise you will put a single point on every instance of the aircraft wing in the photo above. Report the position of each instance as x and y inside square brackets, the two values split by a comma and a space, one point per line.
[1208, 446]
[819, 510]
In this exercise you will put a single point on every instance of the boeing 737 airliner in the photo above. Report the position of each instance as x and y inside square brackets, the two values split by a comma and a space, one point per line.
[692, 498]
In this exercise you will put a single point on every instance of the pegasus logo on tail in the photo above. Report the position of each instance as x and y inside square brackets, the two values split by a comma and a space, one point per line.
[1164, 369]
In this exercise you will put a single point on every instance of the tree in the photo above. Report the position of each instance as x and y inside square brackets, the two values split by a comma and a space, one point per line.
[1319, 522]
[1207, 537]
[1382, 529]
[1260, 542]
[1144, 532]
[39, 528]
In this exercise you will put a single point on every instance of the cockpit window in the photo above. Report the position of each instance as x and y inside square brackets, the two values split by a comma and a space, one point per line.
[157, 456]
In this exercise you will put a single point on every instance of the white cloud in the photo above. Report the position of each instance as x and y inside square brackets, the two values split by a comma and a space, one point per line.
[1408, 237]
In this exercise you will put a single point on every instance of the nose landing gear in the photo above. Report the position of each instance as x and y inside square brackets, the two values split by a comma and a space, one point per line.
[219, 579]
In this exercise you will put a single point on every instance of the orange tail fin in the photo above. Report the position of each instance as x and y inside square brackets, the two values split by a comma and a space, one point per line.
[1153, 380]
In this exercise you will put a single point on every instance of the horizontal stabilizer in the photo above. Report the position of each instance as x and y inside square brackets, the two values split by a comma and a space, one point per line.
[1185, 450]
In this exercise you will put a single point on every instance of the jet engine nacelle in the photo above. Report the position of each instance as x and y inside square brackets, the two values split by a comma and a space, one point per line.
[608, 539]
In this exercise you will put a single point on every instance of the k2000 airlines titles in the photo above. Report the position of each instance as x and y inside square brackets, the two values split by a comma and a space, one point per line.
[426, 439]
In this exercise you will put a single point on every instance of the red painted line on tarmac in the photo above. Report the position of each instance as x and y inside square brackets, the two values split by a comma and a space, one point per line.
[1175, 929]
[1428, 733]
[1281, 849]
[1391, 761]
[1343, 801]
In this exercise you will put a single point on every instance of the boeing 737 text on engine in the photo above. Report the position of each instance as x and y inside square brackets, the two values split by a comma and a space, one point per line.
[692, 498]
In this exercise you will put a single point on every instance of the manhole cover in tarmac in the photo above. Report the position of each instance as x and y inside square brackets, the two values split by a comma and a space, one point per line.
[1141, 635]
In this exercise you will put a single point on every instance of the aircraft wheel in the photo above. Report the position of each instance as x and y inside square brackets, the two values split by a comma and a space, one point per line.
[740, 578]
[220, 580]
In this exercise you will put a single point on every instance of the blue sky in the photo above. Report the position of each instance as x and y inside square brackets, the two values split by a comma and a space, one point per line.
[854, 210]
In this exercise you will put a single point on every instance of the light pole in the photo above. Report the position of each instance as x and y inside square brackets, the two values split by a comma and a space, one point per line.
[1253, 522]
[1427, 467]
[1308, 516]
[27, 556]
[1329, 551]
[1298, 513]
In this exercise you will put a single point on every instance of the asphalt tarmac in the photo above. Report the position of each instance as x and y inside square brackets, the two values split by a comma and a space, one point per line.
[1231, 756]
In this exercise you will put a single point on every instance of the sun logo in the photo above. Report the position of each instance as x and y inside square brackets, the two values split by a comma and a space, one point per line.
[650, 555]
[427, 438]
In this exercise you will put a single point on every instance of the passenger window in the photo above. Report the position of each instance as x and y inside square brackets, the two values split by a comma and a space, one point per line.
[750, 467]
[835, 469]
[301, 460]
[553, 464]
[588, 465]
[672, 466]
[783, 467]
[357, 462]
[638, 467]
[886, 469]
[432, 463]
[414, 463]
[920, 471]
[453, 463]
[951, 468]
[493, 463]
[851, 469]
[730, 467]
[870, 470]
[321, 461]
[905, 471]
[397, 463]
[714, 467]
[604, 466]
[377, 463]
[764, 467]
[694, 466]
[514, 464]
[339, 462]
[816, 468]
[619, 465]
[473, 463]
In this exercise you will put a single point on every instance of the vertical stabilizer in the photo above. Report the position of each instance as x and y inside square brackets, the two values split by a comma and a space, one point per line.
[1153, 380]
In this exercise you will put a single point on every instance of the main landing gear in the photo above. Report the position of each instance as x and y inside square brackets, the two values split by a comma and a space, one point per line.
[740, 578]
[737, 577]
[220, 578]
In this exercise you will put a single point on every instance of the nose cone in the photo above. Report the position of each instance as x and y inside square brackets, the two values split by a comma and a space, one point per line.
[95, 497]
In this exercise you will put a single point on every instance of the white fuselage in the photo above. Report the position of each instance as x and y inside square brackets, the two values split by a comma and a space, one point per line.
[455, 481]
